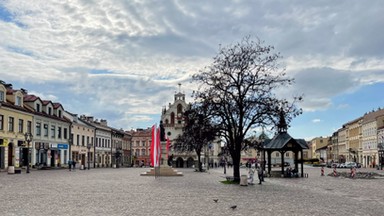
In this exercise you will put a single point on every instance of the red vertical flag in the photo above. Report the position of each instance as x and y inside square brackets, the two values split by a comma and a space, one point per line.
[155, 147]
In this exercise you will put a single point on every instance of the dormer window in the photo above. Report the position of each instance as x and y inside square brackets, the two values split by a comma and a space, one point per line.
[38, 107]
[1, 96]
[49, 111]
[18, 101]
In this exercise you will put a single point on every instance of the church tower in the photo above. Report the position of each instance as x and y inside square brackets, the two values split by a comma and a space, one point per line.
[173, 116]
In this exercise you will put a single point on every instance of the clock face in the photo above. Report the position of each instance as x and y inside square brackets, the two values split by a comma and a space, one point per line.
[169, 133]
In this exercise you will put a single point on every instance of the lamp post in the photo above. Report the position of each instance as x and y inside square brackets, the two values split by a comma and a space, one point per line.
[28, 139]
[89, 154]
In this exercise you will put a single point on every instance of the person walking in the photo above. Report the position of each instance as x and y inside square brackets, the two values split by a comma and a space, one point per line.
[260, 173]
[74, 164]
[70, 165]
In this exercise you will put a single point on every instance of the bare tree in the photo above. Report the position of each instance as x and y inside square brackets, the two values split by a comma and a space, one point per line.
[198, 132]
[238, 90]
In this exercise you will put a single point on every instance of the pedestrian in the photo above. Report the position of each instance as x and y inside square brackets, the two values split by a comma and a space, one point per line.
[70, 165]
[251, 174]
[260, 173]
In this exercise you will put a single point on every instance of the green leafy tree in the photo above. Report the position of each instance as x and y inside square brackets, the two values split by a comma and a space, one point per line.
[237, 90]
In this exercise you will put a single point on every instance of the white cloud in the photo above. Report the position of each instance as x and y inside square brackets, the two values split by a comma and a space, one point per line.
[316, 121]
[125, 58]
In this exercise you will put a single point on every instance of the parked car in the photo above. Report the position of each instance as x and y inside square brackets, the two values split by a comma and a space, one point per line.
[350, 165]
[332, 165]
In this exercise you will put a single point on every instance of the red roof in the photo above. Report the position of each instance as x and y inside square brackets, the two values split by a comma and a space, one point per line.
[30, 98]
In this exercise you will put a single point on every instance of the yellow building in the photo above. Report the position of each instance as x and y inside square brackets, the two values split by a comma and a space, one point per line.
[15, 120]
[319, 148]
[353, 144]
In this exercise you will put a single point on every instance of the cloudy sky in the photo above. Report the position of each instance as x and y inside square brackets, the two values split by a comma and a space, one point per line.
[122, 60]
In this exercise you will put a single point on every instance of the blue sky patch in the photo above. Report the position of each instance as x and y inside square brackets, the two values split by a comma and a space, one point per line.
[5, 15]
[19, 50]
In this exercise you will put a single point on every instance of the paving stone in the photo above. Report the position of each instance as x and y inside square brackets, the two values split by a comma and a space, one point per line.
[124, 192]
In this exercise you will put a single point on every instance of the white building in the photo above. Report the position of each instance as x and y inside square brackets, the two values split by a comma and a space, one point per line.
[173, 122]
[370, 124]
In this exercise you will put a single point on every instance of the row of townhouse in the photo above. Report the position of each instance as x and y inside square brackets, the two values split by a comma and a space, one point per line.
[360, 140]
[58, 136]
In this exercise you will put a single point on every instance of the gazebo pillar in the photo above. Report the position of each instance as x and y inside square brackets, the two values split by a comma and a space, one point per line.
[296, 159]
[282, 162]
[269, 153]
[302, 163]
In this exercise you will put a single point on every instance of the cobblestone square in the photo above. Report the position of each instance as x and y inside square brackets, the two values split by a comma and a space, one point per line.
[124, 192]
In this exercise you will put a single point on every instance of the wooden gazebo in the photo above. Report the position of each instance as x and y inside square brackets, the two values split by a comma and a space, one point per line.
[283, 142]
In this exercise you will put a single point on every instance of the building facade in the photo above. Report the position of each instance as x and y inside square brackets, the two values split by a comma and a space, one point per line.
[15, 120]
[141, 146]
[173, 121]
[81, 140]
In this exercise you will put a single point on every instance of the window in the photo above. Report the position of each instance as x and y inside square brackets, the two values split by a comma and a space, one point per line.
[277, 154]
[18, 101]
[1, 122]
[10, 123]
[29, 126]
[143, 152]
[88, 140]
[287, 154]
[92, 141]
[46, 130]
[65, 133]
[59, 132]
[78, 139]
[37, 107]
[82, 140]
[21, 125]
[59, 113]
[53, 130]
[1, 96]
[38, 129]
[49, 111]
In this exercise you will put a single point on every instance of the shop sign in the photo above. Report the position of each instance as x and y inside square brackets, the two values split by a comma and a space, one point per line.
[62, 146]
[5, 143]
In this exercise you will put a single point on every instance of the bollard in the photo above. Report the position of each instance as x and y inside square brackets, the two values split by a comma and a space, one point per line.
[322, 171]
[334, 172]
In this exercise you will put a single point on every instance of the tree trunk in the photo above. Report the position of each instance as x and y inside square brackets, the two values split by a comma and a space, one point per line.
[236, 165]
[199, 162]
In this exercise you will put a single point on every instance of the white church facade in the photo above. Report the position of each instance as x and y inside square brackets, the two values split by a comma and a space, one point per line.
[173, 122]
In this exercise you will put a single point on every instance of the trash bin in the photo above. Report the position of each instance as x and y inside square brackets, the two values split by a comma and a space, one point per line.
[243, 180]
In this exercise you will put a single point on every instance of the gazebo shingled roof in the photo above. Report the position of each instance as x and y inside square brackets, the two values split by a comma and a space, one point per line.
[281, 140]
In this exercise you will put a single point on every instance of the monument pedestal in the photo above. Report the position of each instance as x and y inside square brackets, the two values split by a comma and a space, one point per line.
[164, 169]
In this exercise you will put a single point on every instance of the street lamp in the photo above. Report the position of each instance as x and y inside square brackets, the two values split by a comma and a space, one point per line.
[28, 139]
[89, 154]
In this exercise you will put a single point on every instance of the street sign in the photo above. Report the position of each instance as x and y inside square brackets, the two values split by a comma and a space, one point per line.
[62, 146]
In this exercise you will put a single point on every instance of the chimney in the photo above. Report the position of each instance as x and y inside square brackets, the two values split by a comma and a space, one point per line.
[103, 122]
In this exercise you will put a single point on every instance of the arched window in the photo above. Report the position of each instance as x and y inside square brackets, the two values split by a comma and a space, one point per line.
[166, 121]
[143, 152]
[172, 118]
[179, 108]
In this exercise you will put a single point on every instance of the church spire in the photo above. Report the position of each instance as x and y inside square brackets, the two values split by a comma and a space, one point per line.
[282, 126]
